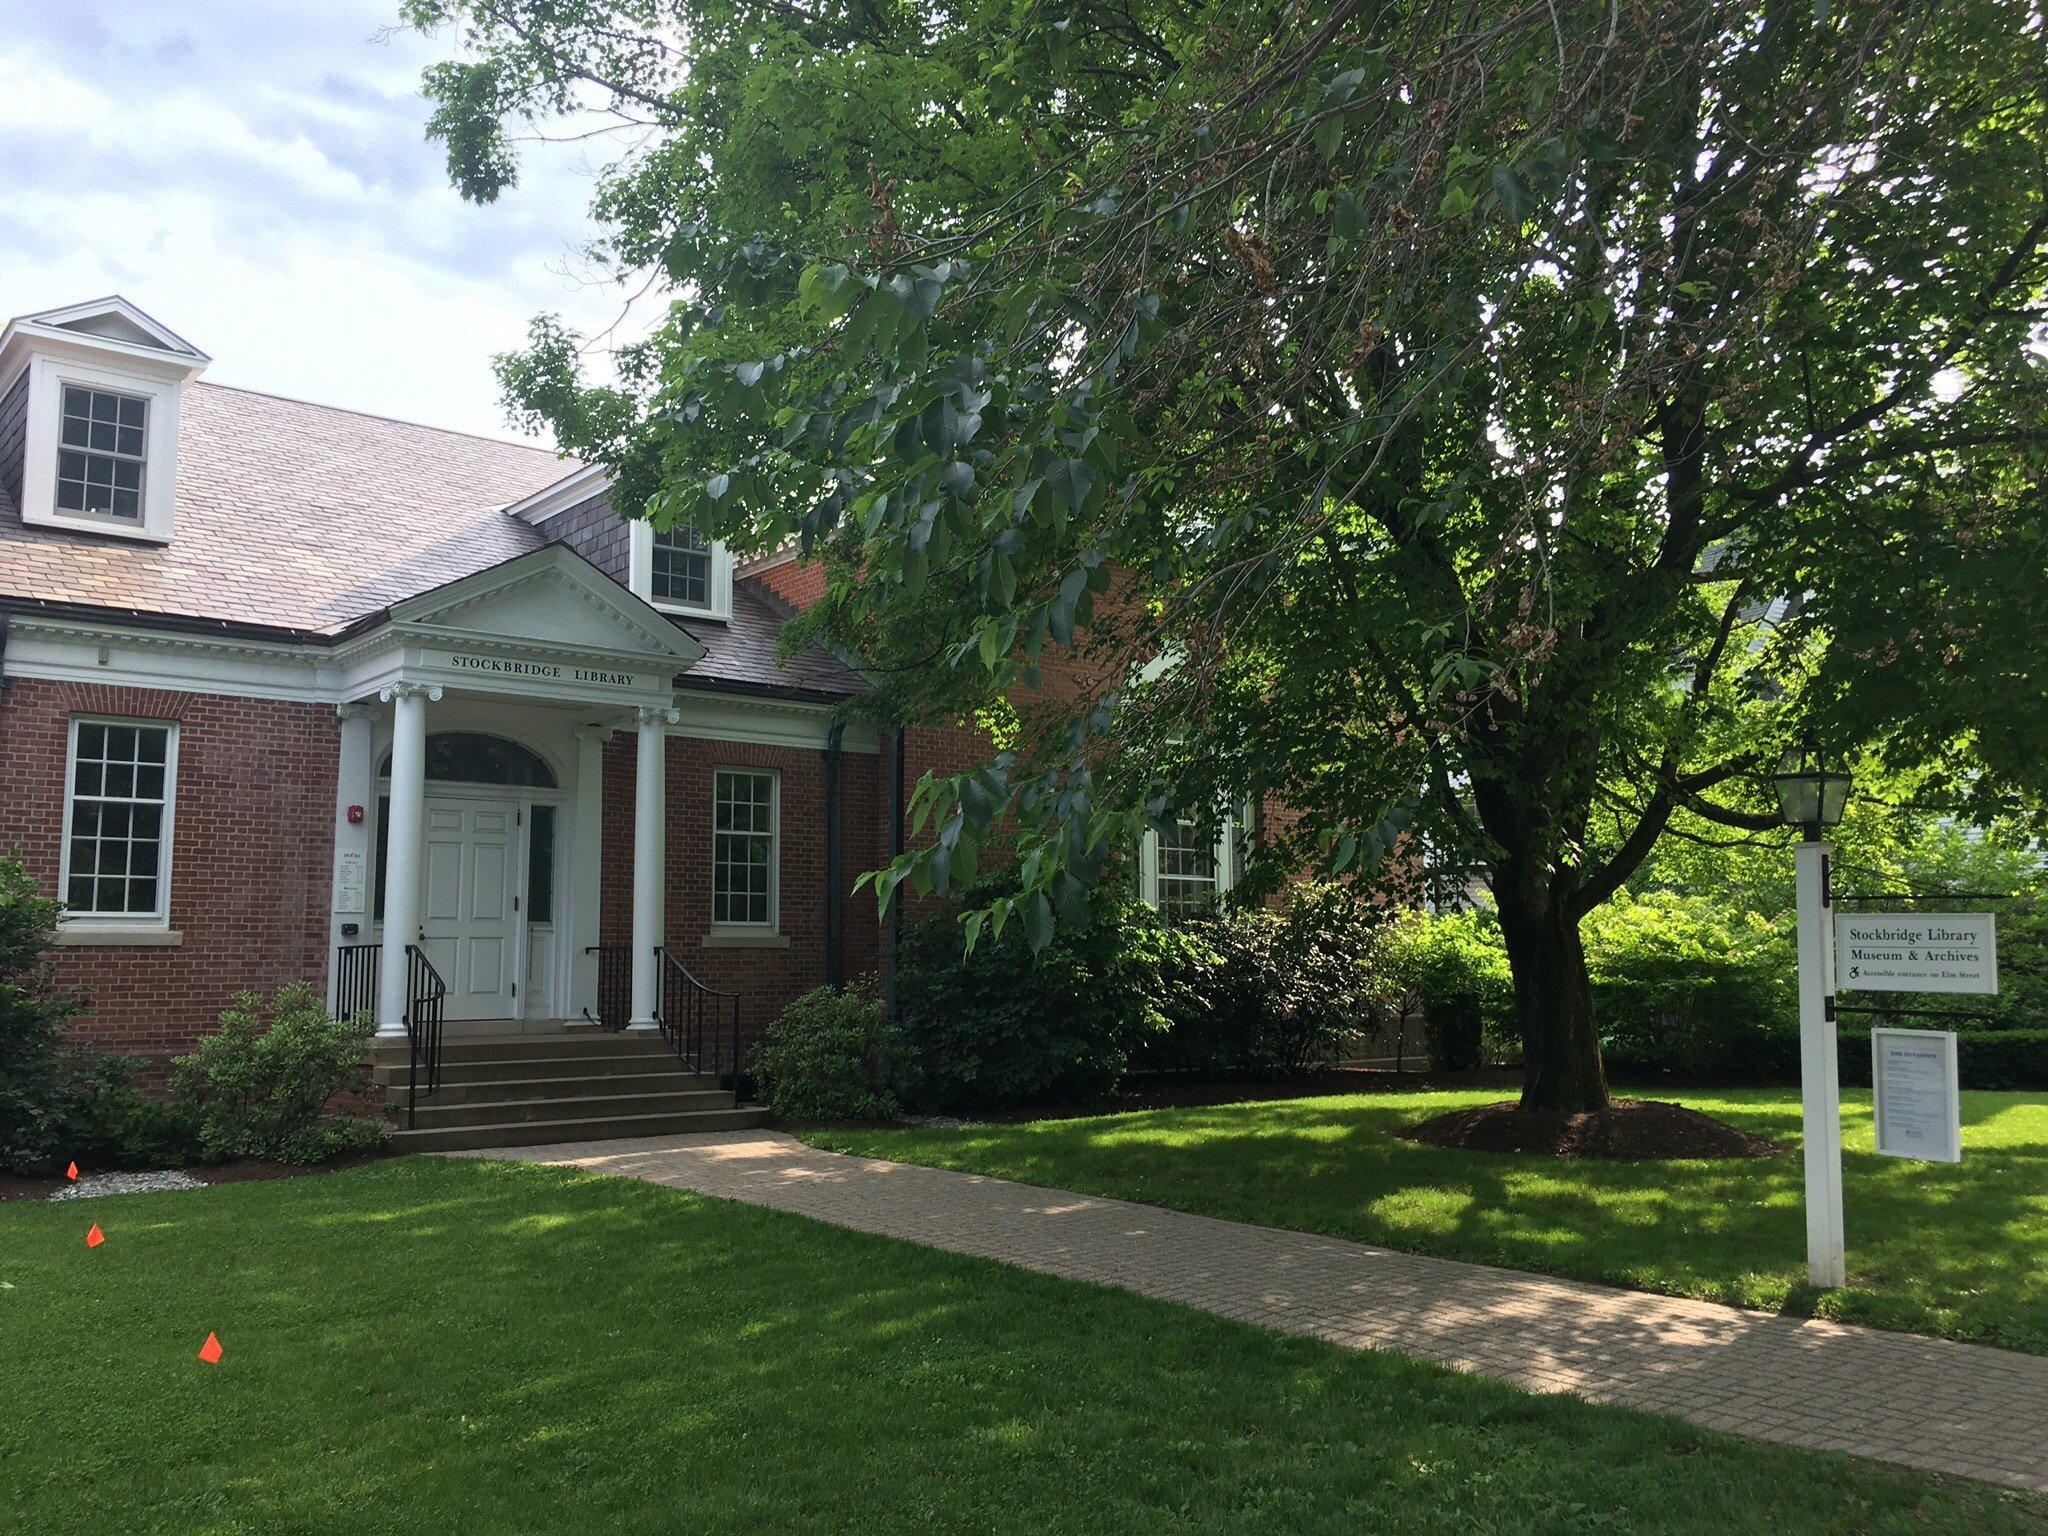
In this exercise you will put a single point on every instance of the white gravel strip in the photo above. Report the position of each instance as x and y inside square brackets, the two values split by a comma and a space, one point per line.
[89, 1185]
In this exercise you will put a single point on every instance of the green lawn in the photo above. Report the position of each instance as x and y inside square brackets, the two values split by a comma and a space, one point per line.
[1957, 1250]
[439, 1346]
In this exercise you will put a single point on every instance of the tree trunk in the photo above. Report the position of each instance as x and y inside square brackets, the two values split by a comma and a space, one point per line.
[1561, 1069]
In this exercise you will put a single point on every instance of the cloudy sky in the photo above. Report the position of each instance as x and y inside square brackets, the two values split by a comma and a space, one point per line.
[254, 174]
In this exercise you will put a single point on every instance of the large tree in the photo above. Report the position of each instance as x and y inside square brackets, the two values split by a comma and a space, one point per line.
[1508, 426]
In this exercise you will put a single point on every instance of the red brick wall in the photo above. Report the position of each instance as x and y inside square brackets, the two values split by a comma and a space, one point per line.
[251, 859]
[798, 583]
[766, 978]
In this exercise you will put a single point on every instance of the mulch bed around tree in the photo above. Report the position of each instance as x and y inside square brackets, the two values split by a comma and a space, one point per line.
[1629, 1130]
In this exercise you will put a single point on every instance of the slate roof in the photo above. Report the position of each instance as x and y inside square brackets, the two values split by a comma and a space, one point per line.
[302, 520]
[295, 516]
[741, 654]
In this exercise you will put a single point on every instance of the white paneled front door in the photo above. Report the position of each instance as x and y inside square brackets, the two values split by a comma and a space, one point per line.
[469, 913]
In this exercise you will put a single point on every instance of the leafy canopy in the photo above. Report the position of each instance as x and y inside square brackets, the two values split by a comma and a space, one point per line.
[1511, 424]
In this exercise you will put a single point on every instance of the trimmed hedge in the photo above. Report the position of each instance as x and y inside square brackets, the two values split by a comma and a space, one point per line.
[1988, 1059]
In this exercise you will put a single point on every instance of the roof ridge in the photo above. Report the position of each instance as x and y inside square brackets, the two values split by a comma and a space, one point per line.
[396, 421]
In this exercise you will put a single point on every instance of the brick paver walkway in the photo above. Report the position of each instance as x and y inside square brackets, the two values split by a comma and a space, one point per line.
[1927, 1403]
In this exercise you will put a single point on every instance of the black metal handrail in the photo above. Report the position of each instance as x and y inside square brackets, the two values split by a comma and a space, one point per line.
[425, 992]
[355, 979]
[688, 1012]
[614, 986]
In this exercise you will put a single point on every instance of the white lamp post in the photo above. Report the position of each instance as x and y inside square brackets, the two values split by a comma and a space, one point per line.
[1811, 797]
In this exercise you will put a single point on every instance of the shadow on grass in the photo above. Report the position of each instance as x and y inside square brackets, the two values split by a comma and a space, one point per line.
[1960, 1250]
[429, 1345]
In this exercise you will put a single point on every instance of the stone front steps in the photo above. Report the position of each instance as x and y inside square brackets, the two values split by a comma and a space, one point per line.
[535, 1087]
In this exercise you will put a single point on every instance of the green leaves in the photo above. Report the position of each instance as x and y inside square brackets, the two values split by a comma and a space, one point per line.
[1071, 480]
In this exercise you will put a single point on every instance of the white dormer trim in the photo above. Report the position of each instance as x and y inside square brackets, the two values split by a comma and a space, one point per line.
[572, 490]
[70, 346]
[577, 487]
[640, 573]
[73, 325]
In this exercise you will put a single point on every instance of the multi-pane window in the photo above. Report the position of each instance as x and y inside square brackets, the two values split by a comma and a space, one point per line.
[1187, 871]
[118, 819]
[743, 847]
[682, 568]
[100, 453]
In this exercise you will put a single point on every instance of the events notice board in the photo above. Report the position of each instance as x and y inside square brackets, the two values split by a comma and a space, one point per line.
[1919, 1106]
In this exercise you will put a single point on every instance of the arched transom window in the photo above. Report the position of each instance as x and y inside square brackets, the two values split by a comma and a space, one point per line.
[474, 757]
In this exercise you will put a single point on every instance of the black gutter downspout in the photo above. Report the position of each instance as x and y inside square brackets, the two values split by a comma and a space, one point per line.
[895, 852]
[835, 894]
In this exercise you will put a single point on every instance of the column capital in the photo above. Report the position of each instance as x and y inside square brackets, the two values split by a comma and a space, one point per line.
[358, 709]
[658, 714]
[428, 691]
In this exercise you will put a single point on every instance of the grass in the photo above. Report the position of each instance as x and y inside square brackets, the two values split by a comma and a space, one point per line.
[1958, 1250]
[425, 1345]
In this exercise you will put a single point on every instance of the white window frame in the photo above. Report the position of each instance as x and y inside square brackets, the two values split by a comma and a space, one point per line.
[640, 575]
[773, 923]
[47, 376]
[1235, 826]
[158, 921]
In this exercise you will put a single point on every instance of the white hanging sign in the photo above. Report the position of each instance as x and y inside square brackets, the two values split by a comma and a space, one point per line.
[1916, 952]
[1918, 1095]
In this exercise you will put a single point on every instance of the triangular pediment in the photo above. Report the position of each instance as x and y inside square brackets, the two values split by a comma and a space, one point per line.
[551, 600]
[116, 320]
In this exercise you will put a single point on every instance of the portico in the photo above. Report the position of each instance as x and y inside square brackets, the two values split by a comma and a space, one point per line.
[470, 791]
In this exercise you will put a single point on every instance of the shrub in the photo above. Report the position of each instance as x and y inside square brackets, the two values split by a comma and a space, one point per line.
[1989, 1059]
[39, 1105]
[1454, 1031]
[59, 1103]
[828, 1057]
[1687, 988]
[1002, 1028]
[260, 1085]
[1451, 967]
[1255, 992]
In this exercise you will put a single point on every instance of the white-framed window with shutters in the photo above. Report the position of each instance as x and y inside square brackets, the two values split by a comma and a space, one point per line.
[1186, 871]
[120, 793]
[746, 815]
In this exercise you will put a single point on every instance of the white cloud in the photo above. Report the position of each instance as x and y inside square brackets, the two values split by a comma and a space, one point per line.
[256, 176]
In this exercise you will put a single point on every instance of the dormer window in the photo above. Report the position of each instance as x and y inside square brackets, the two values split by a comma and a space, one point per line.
[89, 398]
[680, 571]
[101, 454]
[682, 568]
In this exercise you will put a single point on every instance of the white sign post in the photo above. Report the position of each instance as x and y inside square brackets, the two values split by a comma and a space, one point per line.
[1916, 952]
[1820, 1083]
[1918, 1094]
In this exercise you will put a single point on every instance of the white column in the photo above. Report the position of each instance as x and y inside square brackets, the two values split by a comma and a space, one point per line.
[650, 810]
[1820, 1090]
[402, 850]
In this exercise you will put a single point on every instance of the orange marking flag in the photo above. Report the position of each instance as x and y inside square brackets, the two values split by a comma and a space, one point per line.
[95, 1237]
[210, 1350]
[71, 1172]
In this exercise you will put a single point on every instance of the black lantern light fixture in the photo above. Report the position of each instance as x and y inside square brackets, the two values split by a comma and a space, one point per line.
[1811, 796]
